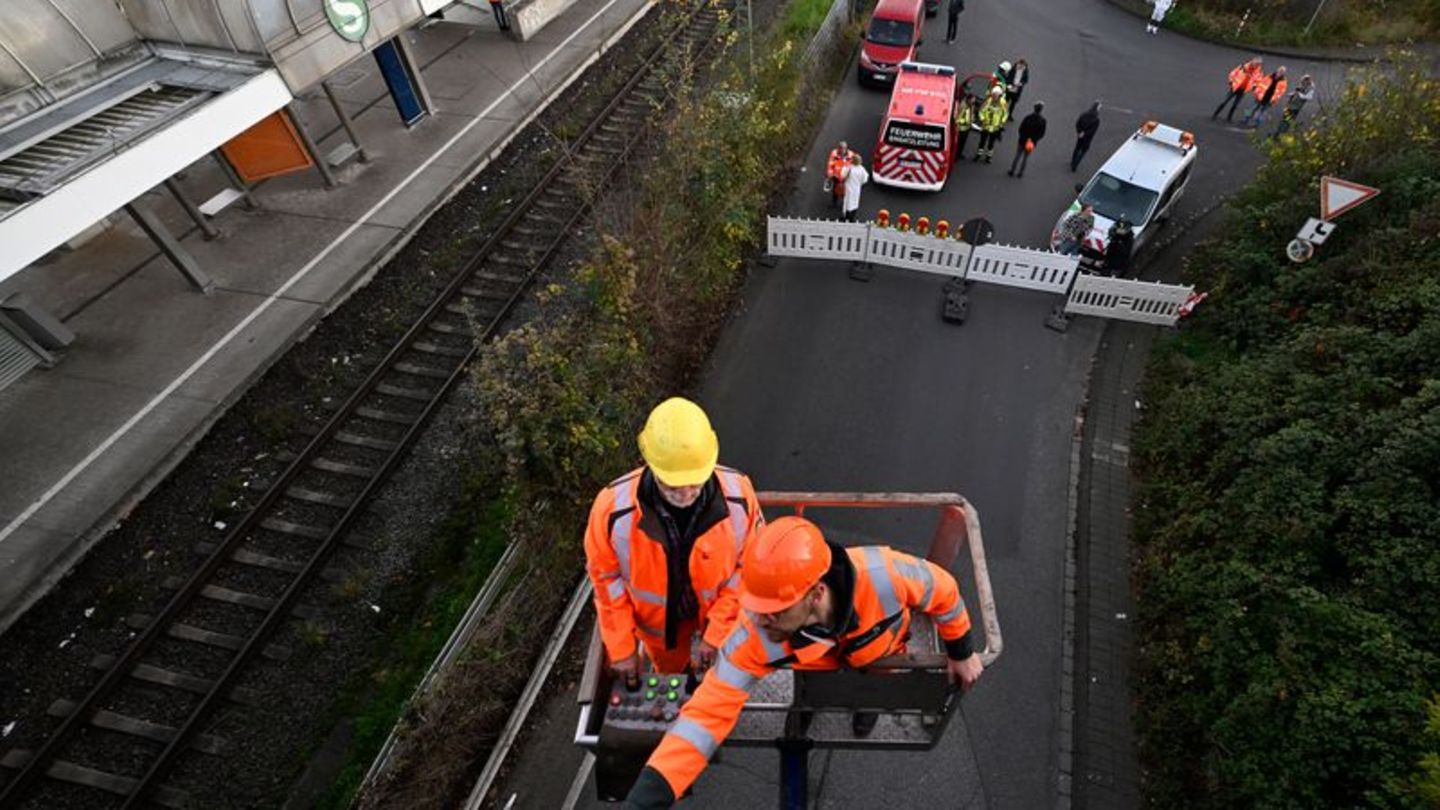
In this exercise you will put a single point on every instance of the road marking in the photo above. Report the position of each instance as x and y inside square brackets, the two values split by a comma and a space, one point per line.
[120, 432]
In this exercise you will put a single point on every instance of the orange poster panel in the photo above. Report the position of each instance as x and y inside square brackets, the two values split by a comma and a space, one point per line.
[269, 149]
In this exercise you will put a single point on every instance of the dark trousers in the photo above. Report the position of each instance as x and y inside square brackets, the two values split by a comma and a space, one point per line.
[1082, 145]
[987, 144]
[1021, 158]
[960, 143]
[849, 216]
[1233, 99]
[499, 9]
[952, 27]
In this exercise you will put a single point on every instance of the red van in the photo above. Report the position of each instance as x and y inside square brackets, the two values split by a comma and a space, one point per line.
[917, 138]
[891, 38]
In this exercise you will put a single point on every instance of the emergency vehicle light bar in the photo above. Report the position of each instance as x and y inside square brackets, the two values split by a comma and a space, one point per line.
[924, 67]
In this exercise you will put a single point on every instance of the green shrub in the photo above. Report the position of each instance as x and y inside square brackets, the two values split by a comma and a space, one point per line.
[1288, 515]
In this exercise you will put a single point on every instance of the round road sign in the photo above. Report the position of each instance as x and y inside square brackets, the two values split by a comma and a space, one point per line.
[1299, 250]
[349, 18]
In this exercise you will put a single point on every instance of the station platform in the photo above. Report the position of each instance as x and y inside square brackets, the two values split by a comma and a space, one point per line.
[156, 362]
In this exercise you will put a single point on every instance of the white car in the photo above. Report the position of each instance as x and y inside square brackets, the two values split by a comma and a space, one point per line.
[1142, 180]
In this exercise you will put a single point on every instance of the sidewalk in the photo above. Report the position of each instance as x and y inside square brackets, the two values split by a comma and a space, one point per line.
[156, 363]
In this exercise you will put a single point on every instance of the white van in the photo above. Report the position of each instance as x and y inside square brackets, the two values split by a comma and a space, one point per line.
[1142, 180]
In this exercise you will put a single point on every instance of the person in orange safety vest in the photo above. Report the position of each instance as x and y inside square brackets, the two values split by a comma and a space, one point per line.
[808, 604]
[663, 543]
[837, 166]
[1266, 90]
[1242, 78]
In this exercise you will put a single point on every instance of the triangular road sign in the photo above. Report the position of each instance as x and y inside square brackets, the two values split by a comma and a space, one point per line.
[1338, 196]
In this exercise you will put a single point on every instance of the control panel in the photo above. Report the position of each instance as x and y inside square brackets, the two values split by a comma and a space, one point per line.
[651, 702]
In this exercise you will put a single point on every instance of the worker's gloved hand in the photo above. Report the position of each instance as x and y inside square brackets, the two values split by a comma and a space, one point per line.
[651, 792]
[627, 668]
[702, 656]
[965, 672]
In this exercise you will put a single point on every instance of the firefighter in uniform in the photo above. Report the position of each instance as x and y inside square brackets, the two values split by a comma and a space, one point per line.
[808, 604]
[993, 115]
[663, 544]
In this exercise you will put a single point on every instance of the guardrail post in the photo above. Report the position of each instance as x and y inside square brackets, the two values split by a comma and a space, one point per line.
[863, 270]
[1058, 319]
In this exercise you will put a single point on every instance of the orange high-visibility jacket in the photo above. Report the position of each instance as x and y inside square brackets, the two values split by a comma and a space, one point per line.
[625, 556]
[1262, 83]
[838, 162]
[1243, 77]
[887, 585]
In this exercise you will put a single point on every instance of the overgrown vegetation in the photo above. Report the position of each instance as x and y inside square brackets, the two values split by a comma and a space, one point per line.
[1284, 22]
[1288, 517]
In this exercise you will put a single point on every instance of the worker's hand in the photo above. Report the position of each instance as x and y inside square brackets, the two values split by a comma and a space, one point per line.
[627, 668]
[966, 672]
[702, 656]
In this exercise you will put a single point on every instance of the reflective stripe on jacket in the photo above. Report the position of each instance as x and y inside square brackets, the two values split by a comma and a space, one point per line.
[993, 114]
[626, 560]
[964, 116]
[888, 584]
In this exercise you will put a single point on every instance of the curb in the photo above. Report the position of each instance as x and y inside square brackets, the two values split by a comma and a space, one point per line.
[1376, 53]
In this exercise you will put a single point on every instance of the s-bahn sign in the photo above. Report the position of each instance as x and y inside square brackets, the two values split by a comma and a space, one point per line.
[349, 18]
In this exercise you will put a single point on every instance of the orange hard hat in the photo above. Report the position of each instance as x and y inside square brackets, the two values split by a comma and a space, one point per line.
[782, 564]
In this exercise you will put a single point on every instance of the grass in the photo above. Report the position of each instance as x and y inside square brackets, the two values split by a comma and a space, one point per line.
[1277, 24]
[803, 17]
[470, 544]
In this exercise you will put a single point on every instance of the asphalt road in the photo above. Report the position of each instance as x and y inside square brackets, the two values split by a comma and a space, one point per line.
[824, 383]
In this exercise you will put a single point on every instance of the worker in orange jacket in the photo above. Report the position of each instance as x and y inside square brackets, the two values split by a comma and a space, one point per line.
[1242, 78]
[663, 543]
[837, 166]
[809, 604]
[1266, 90]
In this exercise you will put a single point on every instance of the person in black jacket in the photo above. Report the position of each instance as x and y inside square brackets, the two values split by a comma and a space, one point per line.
[1032, 129]
[1119, 247]
[1085, 127]
[953, 12]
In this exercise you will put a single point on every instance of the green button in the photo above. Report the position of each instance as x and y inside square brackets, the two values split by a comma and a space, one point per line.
[674, 683]
[671, 696]
[649, 694]
[653, 681]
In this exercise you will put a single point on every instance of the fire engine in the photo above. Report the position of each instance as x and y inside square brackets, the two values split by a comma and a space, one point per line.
[916, 144]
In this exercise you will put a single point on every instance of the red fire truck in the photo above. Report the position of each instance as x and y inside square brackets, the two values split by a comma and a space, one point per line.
[917, 137]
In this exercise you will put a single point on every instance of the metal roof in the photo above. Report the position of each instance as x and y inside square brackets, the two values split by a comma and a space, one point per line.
[1146, 161]
[40, 153]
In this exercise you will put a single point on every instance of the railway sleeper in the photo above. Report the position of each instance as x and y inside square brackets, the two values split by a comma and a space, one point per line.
[451, 329]
[330, 573]
[199, 635]
[405, 392]
[417, 370]
[355, 439]
[194, 684]
[497, 277]
[360, 471]
[518, 258]
[486, 294]
[315, 533]
[375, 415]
[438, 350]
[321, 498]
[217, 593]
[135, 727]
[75, 774]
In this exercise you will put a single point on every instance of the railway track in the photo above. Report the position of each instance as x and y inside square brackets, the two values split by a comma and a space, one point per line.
[153, 703]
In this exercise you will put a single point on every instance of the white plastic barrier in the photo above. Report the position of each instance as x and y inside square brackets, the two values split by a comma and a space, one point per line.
[911, 251]
[1127, 299]
[1023, 267]
[816, 238]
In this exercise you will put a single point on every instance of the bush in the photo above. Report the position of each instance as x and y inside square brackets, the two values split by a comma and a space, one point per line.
[1288, 516]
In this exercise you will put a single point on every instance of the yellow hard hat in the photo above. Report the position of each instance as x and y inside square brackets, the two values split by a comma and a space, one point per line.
[678, 443]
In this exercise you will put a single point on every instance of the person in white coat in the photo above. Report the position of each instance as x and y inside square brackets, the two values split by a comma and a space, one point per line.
[855, 177]
[1157, 15]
